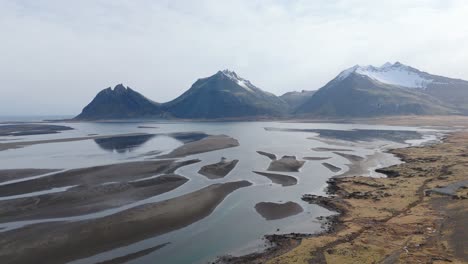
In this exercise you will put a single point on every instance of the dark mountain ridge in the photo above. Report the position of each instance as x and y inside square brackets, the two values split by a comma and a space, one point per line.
[360, 91]
[120, 103]
[222, 95]
[359, 96]
[225, 95]
[392, 89]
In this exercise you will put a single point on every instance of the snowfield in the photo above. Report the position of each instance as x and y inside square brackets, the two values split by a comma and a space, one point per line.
[393, 74]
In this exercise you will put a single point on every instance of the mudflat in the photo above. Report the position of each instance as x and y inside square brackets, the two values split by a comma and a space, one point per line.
[274, 211]
[330, 149]
[127, 258]
[31, 129]
[331, 167]
[281, 179]
[357, 134]
[350, 157]
[62, 242]
[128, 171]
[16, 174]
[316, 158]
[219, 169]
[206, 144]
[268, 155]
[286, 164]
[86, 199]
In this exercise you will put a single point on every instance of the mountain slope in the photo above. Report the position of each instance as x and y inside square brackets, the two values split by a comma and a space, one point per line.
[296, 99]
[119, 103]
[453, 92]
[361, 91]
[225, 95]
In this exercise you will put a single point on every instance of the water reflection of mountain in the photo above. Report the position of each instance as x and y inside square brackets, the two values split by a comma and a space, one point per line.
[122, 144]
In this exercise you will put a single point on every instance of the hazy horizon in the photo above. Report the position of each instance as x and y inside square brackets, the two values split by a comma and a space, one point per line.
[56, 56]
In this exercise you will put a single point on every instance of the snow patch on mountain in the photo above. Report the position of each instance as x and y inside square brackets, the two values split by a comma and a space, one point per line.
[393, 74]
[240, 81]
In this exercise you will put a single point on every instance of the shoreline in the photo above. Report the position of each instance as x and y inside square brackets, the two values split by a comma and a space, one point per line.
[391, 120]
[386, 220]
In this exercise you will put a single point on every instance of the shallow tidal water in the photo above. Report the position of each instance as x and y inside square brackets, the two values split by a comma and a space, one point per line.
[234, 227]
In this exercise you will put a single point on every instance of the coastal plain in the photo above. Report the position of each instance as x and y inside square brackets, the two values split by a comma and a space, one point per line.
[132, 197]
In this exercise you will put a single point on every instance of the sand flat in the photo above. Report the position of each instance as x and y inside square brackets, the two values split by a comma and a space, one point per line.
[274, 211]
[268, 155]
[316, 158]
[219, 169]
[66, 241]
[86, 199]
[331, 167]
[330, 149]
[205, 144]
[132, 256]
[284, 180]
[16, 174]
[286, 164]
[31, 129]
[127, 171]
[350, 157]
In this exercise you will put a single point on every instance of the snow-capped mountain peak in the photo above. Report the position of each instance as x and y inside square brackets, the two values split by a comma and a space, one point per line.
[239, 80]
[394, 74]
[386, 65]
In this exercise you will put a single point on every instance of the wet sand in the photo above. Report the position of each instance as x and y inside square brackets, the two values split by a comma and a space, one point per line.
[350, 157]
[281, 179]
[22, 144]
[86, 199]
[266, 154]
[331, 167]
[128, 171]
[136, 255]
[274, 211]
[205, 144]
[16, 174]
[316, 158]
[218, 170]
[286, 164]
[329, 149]
[65, 241]
[31, 129]
[356, 135]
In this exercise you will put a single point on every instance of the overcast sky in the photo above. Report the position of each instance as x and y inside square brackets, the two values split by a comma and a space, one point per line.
[55, 55]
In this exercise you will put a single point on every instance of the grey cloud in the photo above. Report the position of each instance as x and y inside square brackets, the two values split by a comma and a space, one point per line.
[56, 55]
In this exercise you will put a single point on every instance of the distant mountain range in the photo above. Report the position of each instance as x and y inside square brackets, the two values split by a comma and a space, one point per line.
[360, 91]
